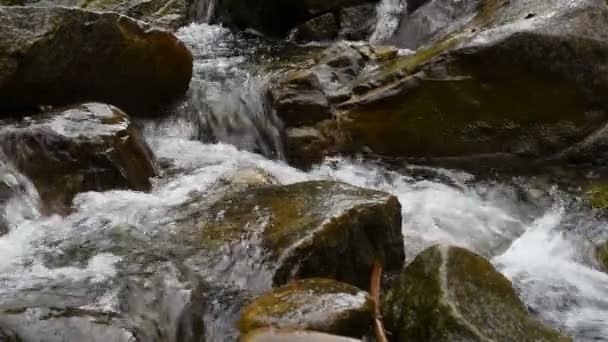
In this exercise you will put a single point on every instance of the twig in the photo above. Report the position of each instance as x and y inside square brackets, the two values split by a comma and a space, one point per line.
[375, 291]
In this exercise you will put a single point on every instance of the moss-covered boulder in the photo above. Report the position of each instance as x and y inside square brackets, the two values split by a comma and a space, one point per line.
[277, 17]
[451, 294]
[286, 232]
[312, 304]
[272, 335]
[79, 148]
[601, 254]
[58, 55]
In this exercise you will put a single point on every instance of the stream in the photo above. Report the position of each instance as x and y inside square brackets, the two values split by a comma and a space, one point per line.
[538, 236]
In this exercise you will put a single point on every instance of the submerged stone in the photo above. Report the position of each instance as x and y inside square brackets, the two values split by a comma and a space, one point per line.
[451, 294]
[312, 304]
[59, 55]
[89, 147]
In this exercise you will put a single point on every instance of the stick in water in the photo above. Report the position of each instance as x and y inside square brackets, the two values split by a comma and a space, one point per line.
[375, 290]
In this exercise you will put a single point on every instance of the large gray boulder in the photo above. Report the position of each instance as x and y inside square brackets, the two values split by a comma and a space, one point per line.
[57, 55]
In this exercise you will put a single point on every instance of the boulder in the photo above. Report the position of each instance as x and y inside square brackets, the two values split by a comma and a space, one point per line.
[451, 294]
[276, 17]
[312, 304]
[89, 147]
[279, 233]
[492, 87]
[8, 336]
[321, 28]
[299, 99]
[272, 335]
[166, 14]
[67, 325]
[358, 22]
[58, 55]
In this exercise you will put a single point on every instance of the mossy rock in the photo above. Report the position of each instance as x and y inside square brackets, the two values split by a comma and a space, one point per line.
[490, 94]
[487, 104]
[59, 56]
[311, 229]
[451, 294]
[311, 304]
[601, 254]
[596, 194]
[89, 147]
[273, 335]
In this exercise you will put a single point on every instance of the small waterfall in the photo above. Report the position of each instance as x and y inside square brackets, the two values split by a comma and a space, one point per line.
[203, 11]
[227, 99]
[389, 13]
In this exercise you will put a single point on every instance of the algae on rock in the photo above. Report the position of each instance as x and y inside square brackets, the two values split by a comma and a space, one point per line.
[451, 294]
[312, 304]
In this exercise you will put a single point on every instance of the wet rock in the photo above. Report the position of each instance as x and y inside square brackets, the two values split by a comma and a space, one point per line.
[306, 146]
[602, 255]
[299, 99]
[276, 17]
[451, 294]
[321, 28]
[63, 325]
[57, 56]
[358, 22]
[165, 14]
[312, 304]
[89, 147]
[271, 335]
[8, 336]
[275, 234]
[464, 99]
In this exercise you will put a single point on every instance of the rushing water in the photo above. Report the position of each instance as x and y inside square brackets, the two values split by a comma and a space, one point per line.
[537, 236]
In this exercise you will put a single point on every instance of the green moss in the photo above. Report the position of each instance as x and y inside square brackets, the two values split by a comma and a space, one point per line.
[597, 195]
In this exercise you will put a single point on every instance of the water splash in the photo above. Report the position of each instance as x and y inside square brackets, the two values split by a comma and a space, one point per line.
[389, 13]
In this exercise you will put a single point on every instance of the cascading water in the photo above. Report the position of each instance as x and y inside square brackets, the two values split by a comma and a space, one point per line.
[539, 238]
